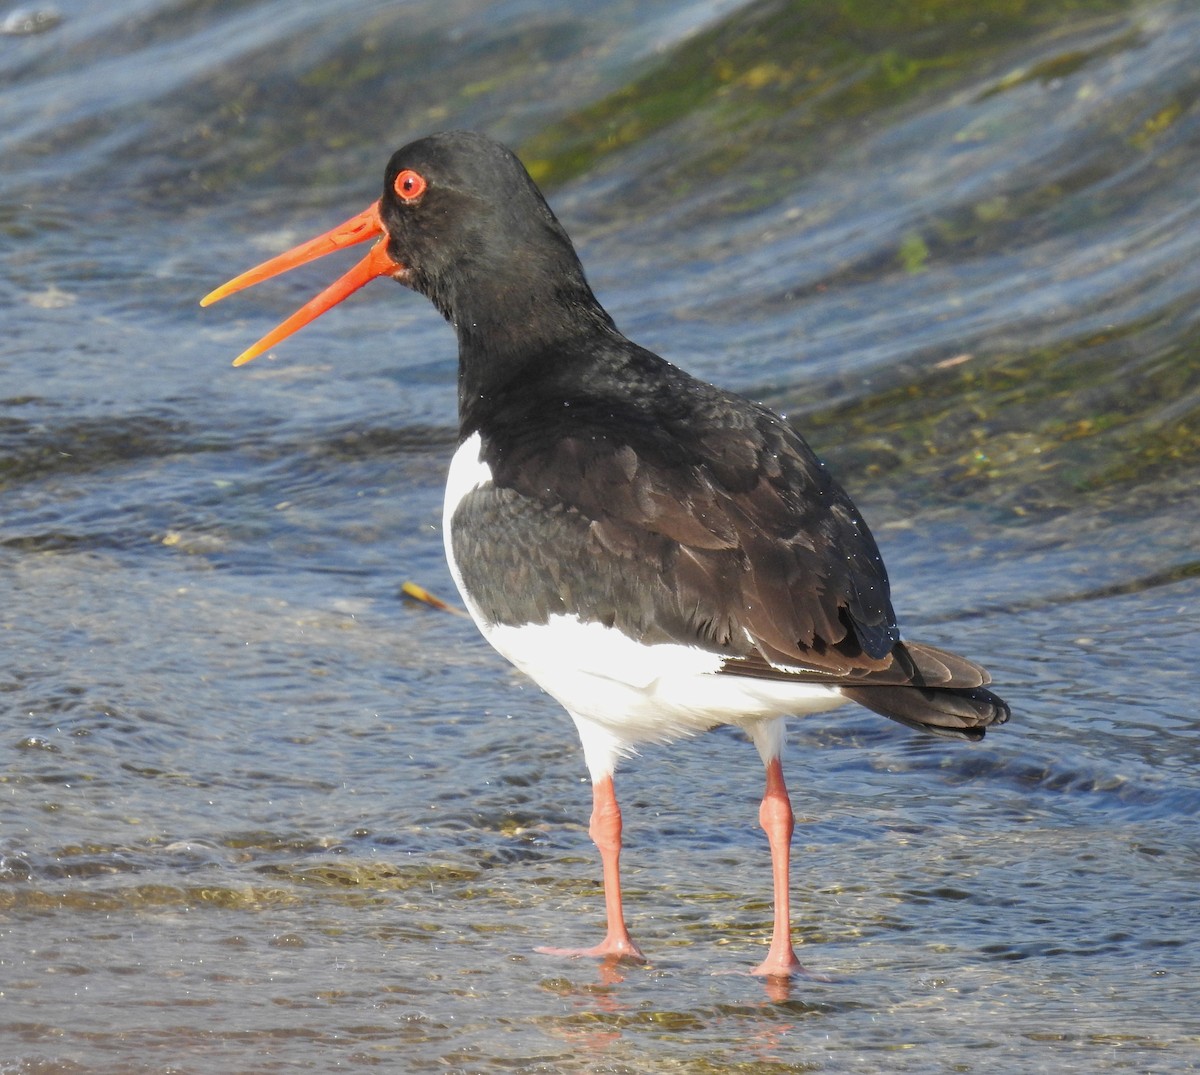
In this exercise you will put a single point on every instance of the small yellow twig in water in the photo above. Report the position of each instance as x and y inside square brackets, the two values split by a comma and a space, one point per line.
[419, 593]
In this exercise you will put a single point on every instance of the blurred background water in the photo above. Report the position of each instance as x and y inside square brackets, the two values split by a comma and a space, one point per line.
[260, 813]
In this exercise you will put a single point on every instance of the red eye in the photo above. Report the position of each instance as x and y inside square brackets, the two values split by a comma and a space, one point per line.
[409, 185]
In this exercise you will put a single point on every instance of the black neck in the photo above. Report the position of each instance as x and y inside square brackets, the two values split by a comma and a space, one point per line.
[519, 323]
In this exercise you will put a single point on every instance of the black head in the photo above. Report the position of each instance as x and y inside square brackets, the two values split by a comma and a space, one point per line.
[476, 236]
[459, 203]
[461, 221]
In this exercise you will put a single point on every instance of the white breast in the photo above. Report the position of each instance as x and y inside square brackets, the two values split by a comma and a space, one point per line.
[468, 472]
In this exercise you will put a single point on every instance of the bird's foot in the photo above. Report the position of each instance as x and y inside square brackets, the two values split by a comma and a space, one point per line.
[782, 974]
[780, 963]
[618, 948]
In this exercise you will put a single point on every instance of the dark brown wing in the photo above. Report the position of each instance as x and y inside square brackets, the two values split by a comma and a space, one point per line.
[755, 549]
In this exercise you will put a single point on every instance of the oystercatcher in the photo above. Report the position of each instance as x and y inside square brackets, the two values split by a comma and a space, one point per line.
[660, 555]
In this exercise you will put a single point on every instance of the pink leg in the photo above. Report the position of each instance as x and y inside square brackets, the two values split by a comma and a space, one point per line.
[775, 816]
[605, 830]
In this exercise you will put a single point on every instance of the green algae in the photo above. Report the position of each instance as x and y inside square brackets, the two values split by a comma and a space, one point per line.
[815, 64]
[1094, 420]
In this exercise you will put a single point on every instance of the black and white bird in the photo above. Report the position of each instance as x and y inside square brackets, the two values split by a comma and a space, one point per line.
[660, 555]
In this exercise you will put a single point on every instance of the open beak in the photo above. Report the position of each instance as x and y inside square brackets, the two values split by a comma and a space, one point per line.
[358, 229]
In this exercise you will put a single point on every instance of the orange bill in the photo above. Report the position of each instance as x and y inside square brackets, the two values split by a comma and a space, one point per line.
[358, 229]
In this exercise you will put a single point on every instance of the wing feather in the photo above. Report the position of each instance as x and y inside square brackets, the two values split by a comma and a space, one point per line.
[753, 547]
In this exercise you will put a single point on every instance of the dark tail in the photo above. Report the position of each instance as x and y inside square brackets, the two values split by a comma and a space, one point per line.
[954, 712]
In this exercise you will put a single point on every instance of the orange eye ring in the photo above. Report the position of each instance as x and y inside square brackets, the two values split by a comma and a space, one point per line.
[409, 185]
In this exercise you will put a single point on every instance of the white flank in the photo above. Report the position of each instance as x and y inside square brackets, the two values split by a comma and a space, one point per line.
[622, 692]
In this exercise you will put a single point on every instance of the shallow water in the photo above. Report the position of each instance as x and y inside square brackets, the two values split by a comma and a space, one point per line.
[260, 813]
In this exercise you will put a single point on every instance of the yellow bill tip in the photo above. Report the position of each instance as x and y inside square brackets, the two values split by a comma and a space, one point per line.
[219, 293]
